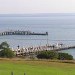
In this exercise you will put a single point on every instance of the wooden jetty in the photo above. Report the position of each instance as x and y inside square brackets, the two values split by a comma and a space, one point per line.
[64, 48]
[18, 32]
[33, 50]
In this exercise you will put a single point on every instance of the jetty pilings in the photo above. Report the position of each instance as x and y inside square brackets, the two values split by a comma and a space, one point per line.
[21, 33]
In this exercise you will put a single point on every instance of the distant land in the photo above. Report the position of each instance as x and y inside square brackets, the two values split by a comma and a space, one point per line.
[37, 15]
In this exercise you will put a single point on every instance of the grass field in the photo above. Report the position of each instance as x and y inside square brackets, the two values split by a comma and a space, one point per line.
[35, 67]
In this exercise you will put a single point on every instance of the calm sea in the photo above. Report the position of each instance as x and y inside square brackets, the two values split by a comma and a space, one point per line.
[61, 29]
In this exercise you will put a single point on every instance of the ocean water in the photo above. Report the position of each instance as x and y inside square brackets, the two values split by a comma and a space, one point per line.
[61, 29]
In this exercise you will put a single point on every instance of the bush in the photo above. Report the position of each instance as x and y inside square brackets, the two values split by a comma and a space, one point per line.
[64, 56]
[54, 55]
[47, 55]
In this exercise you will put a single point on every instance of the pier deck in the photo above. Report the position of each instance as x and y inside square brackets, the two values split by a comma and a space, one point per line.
[33, 50]
[64, 48]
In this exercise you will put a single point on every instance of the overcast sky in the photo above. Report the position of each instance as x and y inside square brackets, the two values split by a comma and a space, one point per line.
[37, 6]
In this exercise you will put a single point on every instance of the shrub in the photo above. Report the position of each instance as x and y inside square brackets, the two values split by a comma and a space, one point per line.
[64, 56]
[47, 55]
[54, 55]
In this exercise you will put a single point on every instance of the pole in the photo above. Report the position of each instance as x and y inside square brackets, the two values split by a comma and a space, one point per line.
[47, 40]
[24, 73]
[12, 73]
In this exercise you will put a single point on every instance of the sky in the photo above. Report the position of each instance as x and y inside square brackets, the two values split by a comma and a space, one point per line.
[36, 6]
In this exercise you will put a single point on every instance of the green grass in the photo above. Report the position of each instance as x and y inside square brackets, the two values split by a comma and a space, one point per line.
[36, 67]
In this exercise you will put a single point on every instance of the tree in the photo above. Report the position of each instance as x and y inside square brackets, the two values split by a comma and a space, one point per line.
[5, 51]
[4, 45]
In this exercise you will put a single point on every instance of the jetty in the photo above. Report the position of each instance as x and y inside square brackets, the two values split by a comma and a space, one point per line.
[18, 32]
[32, 50]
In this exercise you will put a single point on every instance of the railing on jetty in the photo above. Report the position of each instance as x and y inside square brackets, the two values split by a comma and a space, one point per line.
[21, 33]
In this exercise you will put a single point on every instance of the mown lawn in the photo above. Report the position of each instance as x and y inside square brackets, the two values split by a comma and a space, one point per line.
[36, 67]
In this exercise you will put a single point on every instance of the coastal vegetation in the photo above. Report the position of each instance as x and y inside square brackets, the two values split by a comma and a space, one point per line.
[54, 55]
[64, 56]
[5, 51]
[47, 55]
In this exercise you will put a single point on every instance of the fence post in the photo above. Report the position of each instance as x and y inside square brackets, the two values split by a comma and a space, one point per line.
[12, 73]
[24, 73]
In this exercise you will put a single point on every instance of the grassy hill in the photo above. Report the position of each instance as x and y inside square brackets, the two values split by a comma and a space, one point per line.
[35, 67]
